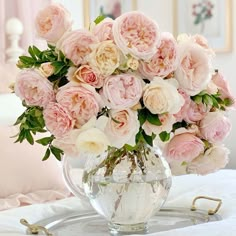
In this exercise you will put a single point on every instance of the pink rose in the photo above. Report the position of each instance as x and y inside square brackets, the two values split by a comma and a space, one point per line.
[184, 147]
[76, 45]
[193, 73]
[202, 41]
[122, 91]
[223, 86]
[85, 74]
[122, 127]
[103, 30]
[52, 22]
[82, 102]
[164, 61]
[136, 34]
[167, 121]
[195, 112]
[34, 89]
[215, 127]
[57, 119]
[67, 142]
[212, 160]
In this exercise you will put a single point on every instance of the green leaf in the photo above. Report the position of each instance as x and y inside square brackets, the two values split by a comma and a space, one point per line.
[142, 116]
[148, 138]
[153, 119]
[130, 148]
[197, 99]
[184, 163]
[37, 52]
[178, 125]
[29, 137]
[228, 102]
[46, 155]
[26, 59]
[19, 119]
[99, 19]
[164, 136]
[207, 100]
[45, 141]
[31, 52]
[214, 102]
[56, 152]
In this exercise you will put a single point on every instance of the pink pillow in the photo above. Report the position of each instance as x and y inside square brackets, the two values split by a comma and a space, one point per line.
[24, 177]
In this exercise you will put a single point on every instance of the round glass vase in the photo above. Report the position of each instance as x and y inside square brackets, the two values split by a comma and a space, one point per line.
[127, 187]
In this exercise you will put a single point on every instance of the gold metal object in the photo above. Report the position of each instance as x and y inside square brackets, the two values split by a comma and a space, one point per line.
[35, 229]
[210, 211]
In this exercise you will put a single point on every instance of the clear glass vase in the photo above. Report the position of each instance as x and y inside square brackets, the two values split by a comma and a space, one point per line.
[125, 187]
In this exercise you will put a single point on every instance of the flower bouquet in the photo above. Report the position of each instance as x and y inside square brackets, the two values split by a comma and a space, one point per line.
[115, 92]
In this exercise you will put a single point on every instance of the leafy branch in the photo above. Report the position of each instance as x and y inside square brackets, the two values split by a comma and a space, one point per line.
[213, 100]
[30, 122]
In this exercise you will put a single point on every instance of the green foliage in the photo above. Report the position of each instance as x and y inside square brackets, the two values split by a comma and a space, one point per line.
[145, 115]
[164, 136]
[212, 100]
[57, 59]
[30, 122]
[99, 19]
[142, 137]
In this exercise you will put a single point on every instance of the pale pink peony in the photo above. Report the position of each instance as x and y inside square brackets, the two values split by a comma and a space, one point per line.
[195, 112]
[103, 30]
[52, 22]
[122, 91]
[194, 70]
[67, 142]
[202, 41]
[76, 45]
[215, 127]
[34, 88]
[136, 34]
[122, 127]
[57, 119]
[184, 147]
[162, 96]
[212, 160]
[223, 87]
[167, 121]
[164, 61]
[82, 101]
[85, 74]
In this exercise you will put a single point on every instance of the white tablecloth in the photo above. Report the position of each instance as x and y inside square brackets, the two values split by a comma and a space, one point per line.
[221, 185]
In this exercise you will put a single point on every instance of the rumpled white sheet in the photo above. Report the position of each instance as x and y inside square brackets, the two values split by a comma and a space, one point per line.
[221, 185]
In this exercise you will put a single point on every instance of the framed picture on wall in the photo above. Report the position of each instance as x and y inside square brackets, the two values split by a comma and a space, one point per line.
[211, 18]
[109, 8]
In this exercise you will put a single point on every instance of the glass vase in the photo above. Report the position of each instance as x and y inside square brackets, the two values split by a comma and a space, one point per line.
[125, 187]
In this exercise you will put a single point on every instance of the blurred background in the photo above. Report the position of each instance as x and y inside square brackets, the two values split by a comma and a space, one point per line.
[212, 18]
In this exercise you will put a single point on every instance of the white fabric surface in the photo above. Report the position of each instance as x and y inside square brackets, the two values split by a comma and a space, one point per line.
[221, 185]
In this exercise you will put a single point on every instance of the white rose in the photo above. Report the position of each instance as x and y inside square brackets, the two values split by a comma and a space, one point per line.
[105, 58]
[213, 159]
[92, 141]
[122, 126]
[162, 96]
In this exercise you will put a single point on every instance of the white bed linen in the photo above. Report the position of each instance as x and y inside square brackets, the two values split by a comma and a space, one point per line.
[221, 185]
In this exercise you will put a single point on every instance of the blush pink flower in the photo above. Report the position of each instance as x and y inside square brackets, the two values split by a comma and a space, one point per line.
[212, 160]
[76, 45]
[164, 61]
[194, 70]
[103, 30]
[34, 88]
[223, 87]
[82, 102]
[184, 147]
[215, 127]
[167, 121]
[195, 112]
[67, 143]
[136, 34]
[57, 119]
[52, 22]
[122, 91]
[85, 74]
[122, 126]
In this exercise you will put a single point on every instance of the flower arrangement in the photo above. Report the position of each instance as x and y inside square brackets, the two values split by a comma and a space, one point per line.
[122, 83]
